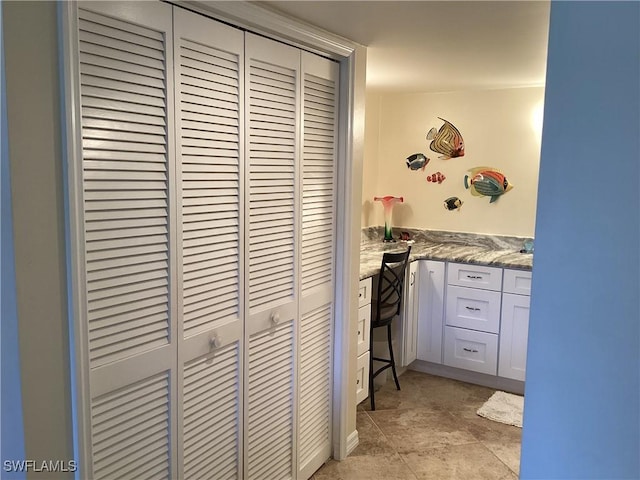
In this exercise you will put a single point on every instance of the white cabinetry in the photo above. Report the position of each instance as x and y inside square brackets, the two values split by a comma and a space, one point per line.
[430, 310]
[409, 319]
[472, 317]
[364, 332]
[514, 328]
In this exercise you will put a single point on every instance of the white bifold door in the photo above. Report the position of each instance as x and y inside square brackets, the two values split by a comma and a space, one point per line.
[203, 200]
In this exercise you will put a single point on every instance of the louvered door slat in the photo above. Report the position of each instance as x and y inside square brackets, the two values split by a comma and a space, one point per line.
[209, 72]
[319, 95]
[135, 421]
[270, 371]
[272, 92]
[215, 212]
[211, 410]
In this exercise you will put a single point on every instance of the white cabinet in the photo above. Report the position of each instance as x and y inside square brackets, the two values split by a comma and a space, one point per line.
[430, 310]
[473, 308]
[471, 350]
[409, 318]
[364, 332]
[514, 328]
[472, 317]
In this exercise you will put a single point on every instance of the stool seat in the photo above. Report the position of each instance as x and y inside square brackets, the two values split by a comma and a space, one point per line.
[385, 306]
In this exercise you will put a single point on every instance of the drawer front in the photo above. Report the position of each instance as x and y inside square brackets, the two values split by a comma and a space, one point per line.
[364, 293]
[473, 308]
[476, 276]
[470, 350]
[362, 378]
[517, 281]
[364, 328]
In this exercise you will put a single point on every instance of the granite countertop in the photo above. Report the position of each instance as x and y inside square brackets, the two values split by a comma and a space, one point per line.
[493, 250]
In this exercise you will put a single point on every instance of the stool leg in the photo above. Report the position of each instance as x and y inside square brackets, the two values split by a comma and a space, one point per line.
[371, 394]
[393, 362]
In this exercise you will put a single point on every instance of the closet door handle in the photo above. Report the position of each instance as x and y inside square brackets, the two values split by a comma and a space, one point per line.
[275, 318]
[215, 341]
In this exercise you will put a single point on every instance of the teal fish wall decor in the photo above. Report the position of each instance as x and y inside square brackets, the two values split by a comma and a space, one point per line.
[417, 161]
[487, 182]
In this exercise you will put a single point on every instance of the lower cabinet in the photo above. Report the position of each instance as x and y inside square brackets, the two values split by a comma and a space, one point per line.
[364, 332]
[473, 317]
[409, 319]
[471, 350]
[430, 310]
[514, 332]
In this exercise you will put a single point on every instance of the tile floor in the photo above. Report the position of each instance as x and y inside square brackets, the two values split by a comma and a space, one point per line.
[429, 430]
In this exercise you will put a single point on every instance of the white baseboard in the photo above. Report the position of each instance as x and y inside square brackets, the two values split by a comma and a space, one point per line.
[352, 442]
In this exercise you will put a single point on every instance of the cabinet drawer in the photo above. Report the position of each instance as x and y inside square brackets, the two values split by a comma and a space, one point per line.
[362, 378]
[470, 350]
[364, 292]
[517, 281]
[364, 328]
[476, 276]
[473, 308]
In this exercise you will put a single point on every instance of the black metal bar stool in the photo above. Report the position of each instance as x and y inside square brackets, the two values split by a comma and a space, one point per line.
[384, 308]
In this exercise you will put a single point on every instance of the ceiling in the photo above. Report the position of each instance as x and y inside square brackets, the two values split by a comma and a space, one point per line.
[438, 46]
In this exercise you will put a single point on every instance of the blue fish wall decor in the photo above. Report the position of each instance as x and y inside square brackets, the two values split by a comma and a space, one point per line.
[417, 161]
[487, 182]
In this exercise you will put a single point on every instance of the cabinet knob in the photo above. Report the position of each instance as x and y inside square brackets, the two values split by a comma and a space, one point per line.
[275, 318]
[215, 341]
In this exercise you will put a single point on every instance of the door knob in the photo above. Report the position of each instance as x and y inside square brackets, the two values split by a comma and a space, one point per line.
[215, 341]
[275, 318]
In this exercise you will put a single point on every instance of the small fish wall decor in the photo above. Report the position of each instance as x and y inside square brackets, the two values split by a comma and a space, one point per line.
[417, 161]
[436, 177]
[487, 182]
[447, 141]
[453, 203]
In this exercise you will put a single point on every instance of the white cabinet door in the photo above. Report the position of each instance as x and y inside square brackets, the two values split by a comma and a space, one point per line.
[473, 308]
[430, 310]
[471, 350]
[127, 319]
[409, 319]
[514, 333]
[209, 85]
[272, 218]
[317, 261]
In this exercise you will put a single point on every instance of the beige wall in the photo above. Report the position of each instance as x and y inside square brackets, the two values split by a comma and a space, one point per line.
[499, 131]
[370, 170]
[35, 153]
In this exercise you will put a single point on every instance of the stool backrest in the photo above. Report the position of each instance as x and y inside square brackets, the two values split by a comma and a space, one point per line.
[391, 282]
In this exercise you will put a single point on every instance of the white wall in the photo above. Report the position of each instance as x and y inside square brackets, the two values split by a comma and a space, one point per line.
[498, 130]
[582, 399]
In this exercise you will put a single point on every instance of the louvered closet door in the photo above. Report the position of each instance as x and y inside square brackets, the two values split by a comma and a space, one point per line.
[318, 161]
[209, 87]
[271, 328]
[128, 324]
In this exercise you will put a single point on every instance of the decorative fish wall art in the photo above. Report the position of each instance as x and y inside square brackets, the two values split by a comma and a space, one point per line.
[447, 141]
[487, 182]
[453, 203]
[417, 161]
[436, 177]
